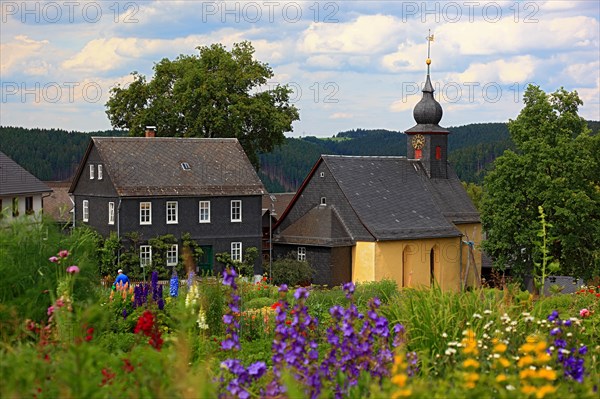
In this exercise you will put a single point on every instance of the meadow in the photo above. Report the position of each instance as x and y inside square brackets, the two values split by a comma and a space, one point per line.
[64, 335]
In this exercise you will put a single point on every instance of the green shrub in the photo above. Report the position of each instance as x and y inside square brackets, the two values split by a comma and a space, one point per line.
[258, 303]
[291, 271]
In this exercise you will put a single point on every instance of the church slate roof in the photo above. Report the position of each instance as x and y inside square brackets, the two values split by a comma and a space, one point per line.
[140, 166]
[390, 197]
[14, 179]
[393, 198]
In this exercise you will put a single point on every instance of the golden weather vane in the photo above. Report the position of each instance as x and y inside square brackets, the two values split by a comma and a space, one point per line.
[429, 40]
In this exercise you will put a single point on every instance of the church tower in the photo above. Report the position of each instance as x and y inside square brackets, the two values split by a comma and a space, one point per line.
[427, 141]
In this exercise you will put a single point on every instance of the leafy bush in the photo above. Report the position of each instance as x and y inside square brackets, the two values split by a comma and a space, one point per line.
[291, 271]
[258, 303]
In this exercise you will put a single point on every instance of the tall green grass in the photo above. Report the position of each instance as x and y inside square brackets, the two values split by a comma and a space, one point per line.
[28, 280]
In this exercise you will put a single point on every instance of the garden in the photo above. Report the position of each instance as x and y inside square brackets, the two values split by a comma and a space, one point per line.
[65, 335]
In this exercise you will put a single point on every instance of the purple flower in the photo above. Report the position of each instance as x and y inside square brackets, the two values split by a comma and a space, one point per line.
[229, 276]
[555, 331]
[283, 288]
[53, 259]
[583, 350]
[567, 323]
[73, 269]
[63, 254]
[257, 369]
[553, 316]
[349, 288]
[124, 313]
[301, 293]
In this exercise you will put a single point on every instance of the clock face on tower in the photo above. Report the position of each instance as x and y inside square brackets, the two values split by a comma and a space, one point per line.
[418, 141]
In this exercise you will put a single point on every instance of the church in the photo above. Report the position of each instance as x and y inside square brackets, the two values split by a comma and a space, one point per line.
[369, 218]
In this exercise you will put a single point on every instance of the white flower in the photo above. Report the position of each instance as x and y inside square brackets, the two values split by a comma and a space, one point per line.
[485, 336]
[513, 323]
[450, 351]
[569, 334]
[487, 311]
[510, 388]
[468, 323]
[496, 356]
[444, 335]
[526, 314]
[529, 319]
[477, 316]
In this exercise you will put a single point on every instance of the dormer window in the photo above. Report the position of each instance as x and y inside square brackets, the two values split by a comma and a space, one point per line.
[185, 166]
[322, 174]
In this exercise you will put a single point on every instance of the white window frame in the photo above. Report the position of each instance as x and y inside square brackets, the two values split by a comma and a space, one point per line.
[111, 213]
[173, 253]
[323, 200]
[145, 255]
[206, 206]
[170, 219]
[236, 207]
[236, 251]
[99, 172]
[143, 220]
[92, 171]
[85, 211]
[302, 254]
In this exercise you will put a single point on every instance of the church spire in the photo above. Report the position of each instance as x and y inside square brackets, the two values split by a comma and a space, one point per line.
[428, 111]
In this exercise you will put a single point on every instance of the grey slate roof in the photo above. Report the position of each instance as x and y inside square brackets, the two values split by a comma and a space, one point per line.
[140, 166]
[14, 179]
[391, 196]
[321, 226]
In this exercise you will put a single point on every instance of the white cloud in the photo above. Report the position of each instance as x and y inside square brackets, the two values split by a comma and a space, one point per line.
[515, 69]
[340, 115]
[22, 53]
[367, 34]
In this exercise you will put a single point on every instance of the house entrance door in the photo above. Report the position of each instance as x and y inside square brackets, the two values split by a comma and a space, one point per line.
[205, 263]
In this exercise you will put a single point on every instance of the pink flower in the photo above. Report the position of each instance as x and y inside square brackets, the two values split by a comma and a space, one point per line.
[64, 253]
[584, 313]
[72, 269]
[60, 303]
[53, 259]
[50, 310]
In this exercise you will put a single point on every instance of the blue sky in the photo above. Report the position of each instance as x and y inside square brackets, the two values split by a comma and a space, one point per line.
[352, 64]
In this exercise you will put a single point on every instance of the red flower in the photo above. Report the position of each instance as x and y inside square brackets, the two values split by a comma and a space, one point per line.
[276, 305]
[108, 377]
[146, 325]
[127, 366]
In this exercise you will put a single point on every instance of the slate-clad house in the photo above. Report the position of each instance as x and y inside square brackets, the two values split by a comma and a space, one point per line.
[367, 218]
[158, 185]
[21, 193]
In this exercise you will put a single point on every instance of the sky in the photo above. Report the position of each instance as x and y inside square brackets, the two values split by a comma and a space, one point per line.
[351, 64]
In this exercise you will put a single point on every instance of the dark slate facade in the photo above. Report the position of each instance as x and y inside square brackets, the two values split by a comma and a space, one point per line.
[136, 170]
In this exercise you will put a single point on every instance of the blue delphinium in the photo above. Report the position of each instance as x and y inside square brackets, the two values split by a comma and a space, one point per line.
[242, 377]
[571, 358]
[174, 285]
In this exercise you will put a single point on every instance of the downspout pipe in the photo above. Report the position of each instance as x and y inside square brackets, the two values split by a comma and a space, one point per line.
[460, 262]
[119, 231]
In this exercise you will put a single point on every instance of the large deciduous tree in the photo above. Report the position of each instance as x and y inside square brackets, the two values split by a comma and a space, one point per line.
[217, 93]
[556, 166]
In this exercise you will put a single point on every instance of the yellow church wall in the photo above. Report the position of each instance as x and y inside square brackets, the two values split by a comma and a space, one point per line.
[363, 261]
[471, 232]
[408, 262]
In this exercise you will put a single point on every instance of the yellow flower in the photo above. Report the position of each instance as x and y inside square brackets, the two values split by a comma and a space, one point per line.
[403, 393]
[525, 361]
[547, 374]
[501, 377]
[470, 363]
[544, 390]
[527, 348]
[528, 389]
[540, 347]
[471, 377]
[504, 362]
[527, 373]
[399, 379]
[543, 358]
[500, 348]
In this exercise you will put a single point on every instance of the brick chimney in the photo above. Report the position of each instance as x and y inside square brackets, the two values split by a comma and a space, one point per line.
[150, 131]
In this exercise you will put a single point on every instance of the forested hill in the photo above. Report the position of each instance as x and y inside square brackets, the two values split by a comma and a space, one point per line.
[49, 154]
[52, 154]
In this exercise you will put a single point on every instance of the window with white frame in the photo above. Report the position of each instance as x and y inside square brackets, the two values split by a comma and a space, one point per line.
[111, 213]
[145, 255]
[236, 251]
[204, 212]
[99, 172]
[91, 171]
[301, 253]
[323, 201]
[145, 213]
[172, 258]
[85, 213]
[171, 212]
[236, 211]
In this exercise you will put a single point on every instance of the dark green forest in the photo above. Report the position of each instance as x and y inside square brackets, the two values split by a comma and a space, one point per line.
[53, 154]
